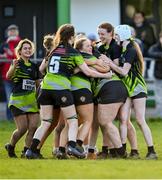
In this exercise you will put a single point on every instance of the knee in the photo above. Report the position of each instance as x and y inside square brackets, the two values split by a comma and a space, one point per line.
[103, 123]
[59, 128]
[109, 125]
[123, 123]
[22, 131]
[123, 118]
[140, 121]
[88, 122]
[32, 129]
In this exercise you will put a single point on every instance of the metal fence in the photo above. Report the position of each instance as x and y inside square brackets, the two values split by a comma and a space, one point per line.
[32, 59]
[150, 71]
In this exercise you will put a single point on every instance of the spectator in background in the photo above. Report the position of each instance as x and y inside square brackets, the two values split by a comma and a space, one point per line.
[129, 12]
[92, 37]
[137, 40]
[145, 33]
[155, 51]
[7, 50]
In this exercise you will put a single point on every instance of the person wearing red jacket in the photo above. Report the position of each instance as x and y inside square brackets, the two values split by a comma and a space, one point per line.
[7, 51]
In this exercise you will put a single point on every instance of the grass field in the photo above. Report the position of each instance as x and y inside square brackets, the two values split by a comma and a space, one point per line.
[80, 169]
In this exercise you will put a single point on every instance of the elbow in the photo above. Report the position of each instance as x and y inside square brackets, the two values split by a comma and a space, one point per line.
[8, 77]
[88, 74]
[124, 73]
[41, 70]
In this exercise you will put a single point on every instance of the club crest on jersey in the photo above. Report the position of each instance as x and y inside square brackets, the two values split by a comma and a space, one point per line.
[82, 98]
[64, 99]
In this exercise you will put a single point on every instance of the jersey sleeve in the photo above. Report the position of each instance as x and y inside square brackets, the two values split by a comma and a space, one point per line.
[130, 56]
[78, 58]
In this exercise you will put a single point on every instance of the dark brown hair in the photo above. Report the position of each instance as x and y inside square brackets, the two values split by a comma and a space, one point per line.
[63, 34]
[109, 28]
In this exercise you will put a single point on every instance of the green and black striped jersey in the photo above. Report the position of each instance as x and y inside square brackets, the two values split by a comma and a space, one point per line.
[113, 51]
[24, 77]
[134, 81]
[80, 80]
[61, 65]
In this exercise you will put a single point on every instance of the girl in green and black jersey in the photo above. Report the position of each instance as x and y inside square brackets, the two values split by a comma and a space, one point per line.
[81, 88]
[111, 49]
[110, 94]
[108, 47]
[131, 68]
[24, 75]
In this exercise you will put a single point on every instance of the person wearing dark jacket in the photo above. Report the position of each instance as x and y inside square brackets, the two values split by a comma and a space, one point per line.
[145, 33]
[155, 51]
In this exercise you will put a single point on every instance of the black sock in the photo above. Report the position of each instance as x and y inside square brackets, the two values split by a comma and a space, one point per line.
[25, 149]
[38, 151]
[79, 142]
[91, 150]
[113, 152]
[124, 146]
[134, 151]
[62, 149]
[72, 144]
[120, 151]
[151, 149]
[105, 149]
[11, 147]
[34, 145]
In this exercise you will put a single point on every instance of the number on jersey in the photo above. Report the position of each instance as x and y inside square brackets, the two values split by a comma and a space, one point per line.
[54, 64]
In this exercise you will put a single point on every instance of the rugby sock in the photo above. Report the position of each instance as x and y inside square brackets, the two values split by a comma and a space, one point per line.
[25, 149]
[38, 151]
[151, 149]
[72, 144]
[79, 142]
[91, 150]
[11, 147]
[34, 145]
[105, 149]
[134, 151]
[120, 151]
[124, 146]
[62, 149]
[112, 152]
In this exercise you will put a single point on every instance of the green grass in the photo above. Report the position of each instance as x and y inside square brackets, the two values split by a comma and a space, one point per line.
[88, 169]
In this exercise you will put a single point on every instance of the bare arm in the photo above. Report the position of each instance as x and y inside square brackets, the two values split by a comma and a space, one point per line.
[76, 70]
[43, 66]
[12, 69]
[94, 62]
[89, 72]
[116, 61]
[121, 70]
[98, 64]
[37, 83]
[102, 69]
[113, 65]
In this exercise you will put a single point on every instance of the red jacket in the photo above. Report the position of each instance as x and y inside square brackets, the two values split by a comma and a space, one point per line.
[9, 51]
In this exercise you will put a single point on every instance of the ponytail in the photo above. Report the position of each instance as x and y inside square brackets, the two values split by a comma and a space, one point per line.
[140, 57]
